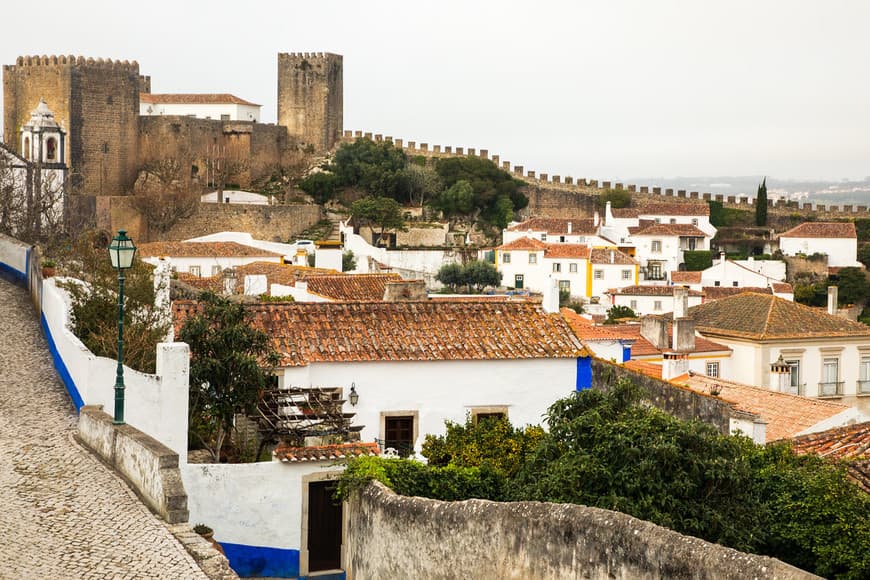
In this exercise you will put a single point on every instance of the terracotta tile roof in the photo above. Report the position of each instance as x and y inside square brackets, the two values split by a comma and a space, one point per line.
[785, 414]
[720, 292]
[781, 287]
[684, 230]
[284, 274]
[523, 244]
[602, 256]
[822, 230]
[585, 329]
[325, 452]
[685, 277]
[645, 368]
[351, 287]
[557, 226]
[644, 348]
[212, 283]
[202, 249]
[664, 208]
[578, 251]
[625, 212]
[762, 316]
[648, 290]
[193, 99]
[850, 443]
[306, 333]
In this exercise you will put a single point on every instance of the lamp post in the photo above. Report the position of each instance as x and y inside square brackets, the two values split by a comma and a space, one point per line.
[121, 252]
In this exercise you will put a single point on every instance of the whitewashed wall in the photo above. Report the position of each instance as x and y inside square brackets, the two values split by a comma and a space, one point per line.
[726, 273]
[206, 263]
[442, 390]
[246, 239]
[773, 269]
[13, 256]
[612, 277]
[155, 404]
[412, 263]
[202, 110]
[841, 252]
[670, 255]
[646, 304]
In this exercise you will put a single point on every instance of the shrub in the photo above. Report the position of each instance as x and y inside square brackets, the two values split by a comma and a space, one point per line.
[698, 260]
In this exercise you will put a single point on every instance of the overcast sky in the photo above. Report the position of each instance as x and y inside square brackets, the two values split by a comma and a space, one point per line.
[605, 89]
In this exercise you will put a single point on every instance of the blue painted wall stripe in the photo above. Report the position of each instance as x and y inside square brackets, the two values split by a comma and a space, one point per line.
[61, 366]
[250, 561]
[13, 275]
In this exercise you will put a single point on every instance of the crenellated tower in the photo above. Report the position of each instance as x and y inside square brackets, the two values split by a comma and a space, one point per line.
[310, 97]
[95, 100]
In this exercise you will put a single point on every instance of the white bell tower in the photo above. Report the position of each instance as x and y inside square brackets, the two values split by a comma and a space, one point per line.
[42, 139]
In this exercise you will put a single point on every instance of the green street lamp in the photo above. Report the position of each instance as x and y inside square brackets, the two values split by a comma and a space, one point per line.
[121, 252]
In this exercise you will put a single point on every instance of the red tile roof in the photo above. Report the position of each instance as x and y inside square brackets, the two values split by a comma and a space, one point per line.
[557, 226]
[306, 333]
[684, 230]
[648, 290]
[645, 368]
[663, 209]
[850, 443]
[523, 244]
[351, 287]
[822, 230]
[193, 99]
[202, 249]
[325, 452]
[603, 256]
[685, 277]
[643, 348]
[577, 251]
[585, 329]
[781, 287]
[766, 317]
[719, 292]
[785, 414]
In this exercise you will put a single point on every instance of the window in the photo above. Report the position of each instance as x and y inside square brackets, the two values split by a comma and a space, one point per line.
[543, 237]
[626, 274]
[533, 258]
[399, 432]
[692, 243]
[483, 413]
[864, 375]
[557, 267]
[225, 117]
[51, 149]
[27, 148]
[657, 305]
[656, 246]
[633, 305]
[654, 271]
[694, 221]
[215, 270]
[717, 283]
[794, 376]
[830, 385]
[564, 286]
[506, 258]
[713, 369]
[734, 283]
[562, 239]
[658, 220]
[572, 268]
[673, 220]
[598, 274]
[194, 271]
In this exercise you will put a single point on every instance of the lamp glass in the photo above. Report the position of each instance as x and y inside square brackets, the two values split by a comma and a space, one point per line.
[121, 251]
[354, 396]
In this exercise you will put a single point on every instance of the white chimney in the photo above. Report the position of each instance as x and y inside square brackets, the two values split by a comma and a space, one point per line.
[612, 256]
[596, 219]
[302, 285]
[780, 376]
[674, 365]
[832, 300]
[550, 302]
[162, 302]
[681, 302]
[570, 227]
[608, 213]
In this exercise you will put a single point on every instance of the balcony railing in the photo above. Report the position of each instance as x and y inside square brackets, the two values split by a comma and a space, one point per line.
[402, 448]
[831, 389]
[863, 387]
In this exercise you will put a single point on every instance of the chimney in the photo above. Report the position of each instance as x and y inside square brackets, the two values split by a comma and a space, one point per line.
[608, 213]
[674, 365]
[780, 376]
[612, 256]
[596, 219]
[570, 227]
[229, 276]
[550, 302]
[684, 335]
[655, 331]
[832, 300]
[162, 301]
[405, 291]
[681, 302]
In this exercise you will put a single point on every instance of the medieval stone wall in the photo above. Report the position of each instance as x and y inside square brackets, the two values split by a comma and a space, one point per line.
[310, 97]
[392, 536]
[276, 223]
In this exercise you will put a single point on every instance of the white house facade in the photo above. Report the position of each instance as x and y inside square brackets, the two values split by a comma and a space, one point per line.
[205, 259]
[222, 107]
[837, 240]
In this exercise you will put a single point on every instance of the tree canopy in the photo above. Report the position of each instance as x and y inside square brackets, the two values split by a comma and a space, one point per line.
[476, 274]
[761, 204]
[381, 213]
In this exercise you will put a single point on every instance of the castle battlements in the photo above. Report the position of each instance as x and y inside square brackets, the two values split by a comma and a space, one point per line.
[70, 60]
[308, 55]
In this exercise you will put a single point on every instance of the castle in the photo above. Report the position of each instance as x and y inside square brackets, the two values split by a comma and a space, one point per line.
[96, 102]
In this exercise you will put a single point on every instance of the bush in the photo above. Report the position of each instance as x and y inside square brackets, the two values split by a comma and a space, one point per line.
[321, 186]
[477, 274]
[616, 313]
[618, 198]
[348, 261]
[698, 260]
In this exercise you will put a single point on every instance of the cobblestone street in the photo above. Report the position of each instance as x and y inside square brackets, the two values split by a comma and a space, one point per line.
[63, 514]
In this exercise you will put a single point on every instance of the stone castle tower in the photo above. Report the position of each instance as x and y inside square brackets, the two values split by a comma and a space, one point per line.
[96, 101]
[310, 97]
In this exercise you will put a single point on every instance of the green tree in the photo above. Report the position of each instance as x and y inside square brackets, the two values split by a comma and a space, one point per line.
[348, 261]
[618, 198]
[697, 260]
[383, 213]
[230, 363]
[852, 285]
[616, 313]
[479, 274]
[321, 186]
[418, 183]
[864, 254]
[761, 204]
[451, 275]
[457, 200]
[496, 192]
[374, 167]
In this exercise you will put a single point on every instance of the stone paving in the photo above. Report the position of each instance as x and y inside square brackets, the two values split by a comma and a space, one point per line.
[63, 514]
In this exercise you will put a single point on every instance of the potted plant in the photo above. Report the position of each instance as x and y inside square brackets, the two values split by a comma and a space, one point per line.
[208, 534]
[49, 268]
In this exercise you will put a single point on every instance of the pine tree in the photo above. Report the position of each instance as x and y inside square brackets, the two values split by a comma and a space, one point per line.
[761, 204]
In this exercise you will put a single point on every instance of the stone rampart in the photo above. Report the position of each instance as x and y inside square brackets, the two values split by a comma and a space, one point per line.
[484, 539]
[264, 222]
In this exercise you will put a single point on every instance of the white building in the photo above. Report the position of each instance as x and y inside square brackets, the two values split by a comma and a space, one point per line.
[558, 231]
[825, 355]
[649, 299]
[660, 247]
[610, 268]
[725, 272]
[837, 240]
[223, 107]
[204, 259]
[618, 221]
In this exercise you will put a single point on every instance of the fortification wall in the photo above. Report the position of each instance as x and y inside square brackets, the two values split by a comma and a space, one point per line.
[270, 222]
[549, 195]
[98, 103]
[484, 539]
[310, 97]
